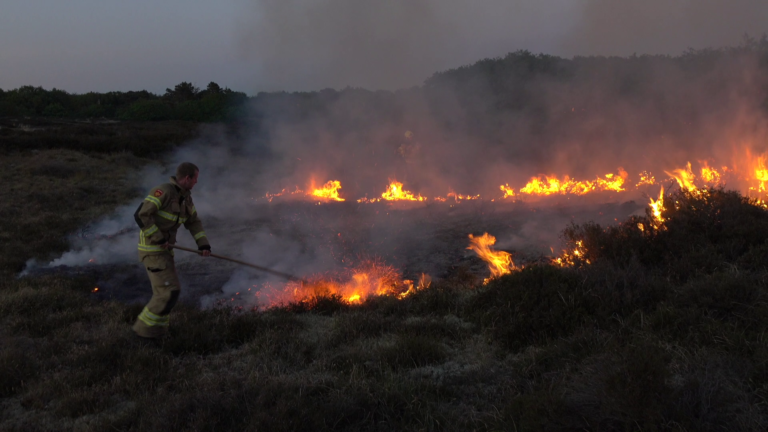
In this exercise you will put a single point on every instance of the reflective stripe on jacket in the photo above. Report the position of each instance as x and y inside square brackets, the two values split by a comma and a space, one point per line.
[159, 216]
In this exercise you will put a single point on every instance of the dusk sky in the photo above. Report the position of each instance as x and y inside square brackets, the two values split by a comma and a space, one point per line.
[267, 45]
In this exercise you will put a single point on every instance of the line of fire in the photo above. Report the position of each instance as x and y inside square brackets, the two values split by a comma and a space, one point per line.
[373, 277]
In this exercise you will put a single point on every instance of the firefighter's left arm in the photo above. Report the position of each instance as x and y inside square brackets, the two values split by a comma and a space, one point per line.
[195, 227]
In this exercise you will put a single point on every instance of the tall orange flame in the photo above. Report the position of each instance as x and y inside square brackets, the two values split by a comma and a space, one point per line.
[657, 206]
[761, 173]
[499, 262]
[684, 177]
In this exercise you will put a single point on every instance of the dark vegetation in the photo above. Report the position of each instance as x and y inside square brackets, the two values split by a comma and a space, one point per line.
[654, 334]
[184, 102]
[664, 329]
[515, 83]
[142, 139]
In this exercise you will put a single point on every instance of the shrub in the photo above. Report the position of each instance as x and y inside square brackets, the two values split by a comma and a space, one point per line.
[147, 110]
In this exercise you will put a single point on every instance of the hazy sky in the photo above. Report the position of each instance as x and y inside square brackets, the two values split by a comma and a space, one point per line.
[255, 45]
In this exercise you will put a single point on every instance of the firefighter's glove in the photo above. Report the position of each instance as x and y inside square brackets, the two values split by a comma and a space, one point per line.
[206, 250]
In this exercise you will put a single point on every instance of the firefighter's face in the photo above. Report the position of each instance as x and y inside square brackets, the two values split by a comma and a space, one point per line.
[189, 182]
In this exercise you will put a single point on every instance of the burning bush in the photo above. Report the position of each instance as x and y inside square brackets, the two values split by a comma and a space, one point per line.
[702, 231]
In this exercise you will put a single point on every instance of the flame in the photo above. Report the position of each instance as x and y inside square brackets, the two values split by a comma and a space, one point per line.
[329, 191]
[395, 192]
[708, 174]
[613, 183]
[551, 185]
[96, 289]
[458, 197]
[499, 262]
[645, 179]
[761, 173]
[657, 206]
[270, 196]
[756, 176]
[425, 281]
[508, 191]
[569, 258]
[370, 278]
[684, 177]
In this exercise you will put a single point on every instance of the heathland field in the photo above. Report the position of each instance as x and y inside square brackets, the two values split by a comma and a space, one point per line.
[664, 329]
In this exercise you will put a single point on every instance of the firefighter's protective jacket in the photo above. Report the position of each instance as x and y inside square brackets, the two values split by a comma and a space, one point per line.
[161, 213]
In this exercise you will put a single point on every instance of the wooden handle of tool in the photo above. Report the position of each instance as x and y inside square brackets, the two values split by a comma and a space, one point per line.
[257, 267]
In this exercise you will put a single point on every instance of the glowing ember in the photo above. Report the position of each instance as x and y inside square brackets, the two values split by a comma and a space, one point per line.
[458, 197]
[95, 290]
[646, 179]
[270, 196]
[329, 191]
[499, 262]
[570, 258]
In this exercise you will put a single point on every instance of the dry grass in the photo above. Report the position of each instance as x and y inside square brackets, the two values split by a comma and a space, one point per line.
[622, 345]
[48, 194]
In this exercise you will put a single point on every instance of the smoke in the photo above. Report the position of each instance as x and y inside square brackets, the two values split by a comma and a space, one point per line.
[467, 130]
[610, 27]
[309, 45]
[109, 240]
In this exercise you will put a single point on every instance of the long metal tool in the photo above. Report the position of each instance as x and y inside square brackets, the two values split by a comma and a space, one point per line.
[257, 267]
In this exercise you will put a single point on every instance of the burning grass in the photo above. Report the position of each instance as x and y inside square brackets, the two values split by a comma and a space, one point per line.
[647, 328]
[750, 178]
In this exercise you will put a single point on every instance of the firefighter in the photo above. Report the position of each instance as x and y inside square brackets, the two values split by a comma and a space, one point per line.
[165, 208]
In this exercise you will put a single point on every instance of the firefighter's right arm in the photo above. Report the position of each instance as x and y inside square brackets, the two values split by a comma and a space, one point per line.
[145, 215]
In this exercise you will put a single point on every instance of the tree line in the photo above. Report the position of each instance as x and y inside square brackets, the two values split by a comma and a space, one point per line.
[183, 102]
[522, 83]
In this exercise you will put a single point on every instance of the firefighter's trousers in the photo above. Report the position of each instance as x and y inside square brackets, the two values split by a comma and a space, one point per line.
[153, 321]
